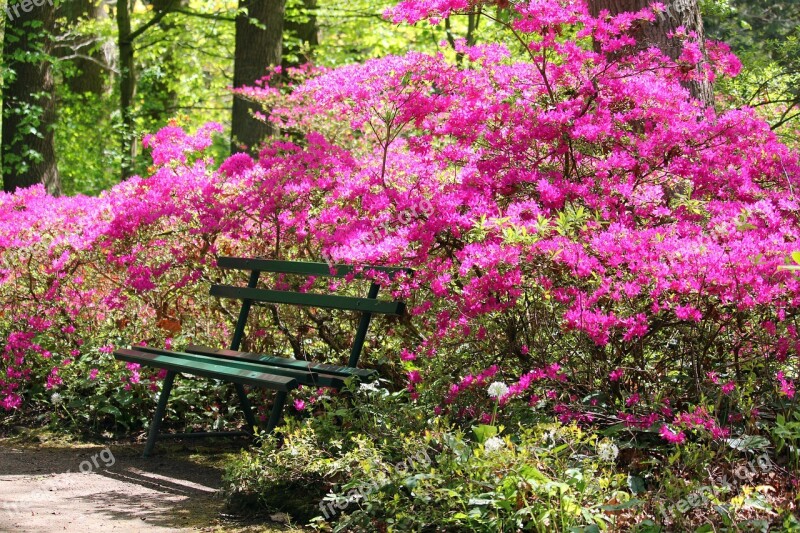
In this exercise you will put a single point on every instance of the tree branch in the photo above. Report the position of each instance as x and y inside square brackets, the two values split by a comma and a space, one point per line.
[152, 22]
[212, 16]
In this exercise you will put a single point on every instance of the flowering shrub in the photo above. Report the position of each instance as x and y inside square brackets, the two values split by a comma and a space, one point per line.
[581, 229]
[564, 206]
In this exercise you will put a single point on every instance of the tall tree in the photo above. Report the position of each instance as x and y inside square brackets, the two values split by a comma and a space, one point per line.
[126, 37]
[29, 108]
[259, 40]
[676, 13]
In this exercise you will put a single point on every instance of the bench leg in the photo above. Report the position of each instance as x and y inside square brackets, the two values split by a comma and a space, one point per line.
[277, 408]
[160, 410]
[245, 403]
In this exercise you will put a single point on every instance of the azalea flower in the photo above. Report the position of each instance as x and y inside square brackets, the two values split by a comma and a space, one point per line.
[670, 436]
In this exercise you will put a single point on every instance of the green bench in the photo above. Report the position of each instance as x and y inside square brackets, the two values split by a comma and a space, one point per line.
[281, 374]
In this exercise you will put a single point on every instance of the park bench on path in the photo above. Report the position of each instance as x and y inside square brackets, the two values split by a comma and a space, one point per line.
[281, 374]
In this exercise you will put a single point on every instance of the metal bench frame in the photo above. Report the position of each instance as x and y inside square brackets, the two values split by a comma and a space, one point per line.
[278, 373]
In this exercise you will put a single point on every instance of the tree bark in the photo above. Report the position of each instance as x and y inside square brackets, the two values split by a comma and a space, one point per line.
[127, 86]
[257, 47]
[677, 13]
[29, 108]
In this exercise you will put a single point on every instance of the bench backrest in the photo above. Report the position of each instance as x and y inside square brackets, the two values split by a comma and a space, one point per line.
[250, 294]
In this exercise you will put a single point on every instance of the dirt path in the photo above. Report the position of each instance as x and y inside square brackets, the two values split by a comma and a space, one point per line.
[96, 489]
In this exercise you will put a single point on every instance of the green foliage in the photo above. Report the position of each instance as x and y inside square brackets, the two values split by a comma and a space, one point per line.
[786, 433]
[88, 160]
[352, 31]
[766, 37]
[371, 459]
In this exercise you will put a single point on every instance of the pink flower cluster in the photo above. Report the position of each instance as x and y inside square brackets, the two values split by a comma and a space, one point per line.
[701, 419]
[786, 385]
[470, 381]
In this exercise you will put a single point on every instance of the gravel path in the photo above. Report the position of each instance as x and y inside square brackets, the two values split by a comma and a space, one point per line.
[95, 489]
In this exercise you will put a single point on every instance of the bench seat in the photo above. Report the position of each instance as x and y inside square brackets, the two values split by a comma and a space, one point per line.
[287, 362]
[184, 363]
[311, 374]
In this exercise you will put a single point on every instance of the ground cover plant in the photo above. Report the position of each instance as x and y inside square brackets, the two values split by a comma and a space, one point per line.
[592, 247]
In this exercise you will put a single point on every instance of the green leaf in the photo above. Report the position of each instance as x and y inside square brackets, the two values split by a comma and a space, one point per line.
[111, 410]
[585, 529]
[613, 430]
[796, 257]
[636, 484]
[648, 526]
[748, 442]
[531, 473]
[483, 432]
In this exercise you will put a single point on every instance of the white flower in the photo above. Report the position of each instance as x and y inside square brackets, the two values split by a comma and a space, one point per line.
[493, 444]
[498, 389]
[368, 387]
[56, 399]
[607, 451]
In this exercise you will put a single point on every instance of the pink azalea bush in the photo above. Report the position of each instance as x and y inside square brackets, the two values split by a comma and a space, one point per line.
[580, 228]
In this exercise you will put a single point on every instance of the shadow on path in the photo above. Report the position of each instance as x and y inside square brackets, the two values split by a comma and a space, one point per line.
[106, 489]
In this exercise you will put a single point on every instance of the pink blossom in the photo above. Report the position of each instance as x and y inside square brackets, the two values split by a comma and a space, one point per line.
[407, 355]
[671, 436]
[787, 385]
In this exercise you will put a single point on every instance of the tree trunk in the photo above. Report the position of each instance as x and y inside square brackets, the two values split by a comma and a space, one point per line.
[257, 47]
[29, 110]
[90, 68]
[126, 36]
[127, 85]
[304, 31]
[676, 13]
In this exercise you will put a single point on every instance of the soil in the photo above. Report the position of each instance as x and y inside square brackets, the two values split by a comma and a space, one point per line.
[68, 487]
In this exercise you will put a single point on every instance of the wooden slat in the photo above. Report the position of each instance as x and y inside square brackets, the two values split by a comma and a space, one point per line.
[299, 374]
[328, 301]
[335, 370]
[302, 267]
[214, 369]
[304, 376]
